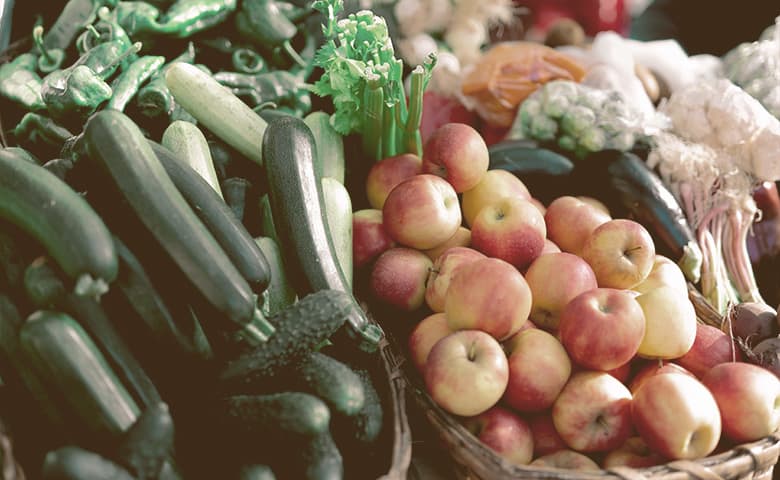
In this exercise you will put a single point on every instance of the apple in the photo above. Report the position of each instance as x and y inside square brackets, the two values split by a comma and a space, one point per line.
[442, 272]
[711, 346]
[602, 328]
[504, 432]
[511, 229]
[633, 453]
[555, 279]
[622, 373]
[593, 412]
[546, 438]
[595, 202]
[550, 247]
[466, 372]
[538, 204]
[385, 174]
[424, 336]
[489, 295]
[457, 153]
[655, 368]
[676, 416]
[369, 237]
[495, 185]
[539, 367]
[748, 397]
[670, 323]
[663, 272]
[570, 221]
[398, 277]
[621, 253]
[566, 459]
[461, 238]
[421, 212]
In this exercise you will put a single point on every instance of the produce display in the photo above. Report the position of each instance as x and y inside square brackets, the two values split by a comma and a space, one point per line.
[235, 233]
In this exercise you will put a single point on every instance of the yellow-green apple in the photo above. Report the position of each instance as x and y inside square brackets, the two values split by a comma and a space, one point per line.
[550, 247]
[602, 328]
[595, 202]
[633, 453]
[593, 412]
[369, 237]
[398, 277]
[711, 346]
[546, 438]
[461, 238]
[570, 221]
[511, 229]
[555, 279]
[539, 367]
[621, 253]
[676, 416]
[670, 323]
[443, 270]
[424, 336]
[656, 367]
[663, 272]
[421, 212]
[457, 153]
[748, 397]
[505, 432]
[566, 459]
[466, 372]
[489, 295]
[385, 174]
[495, 185]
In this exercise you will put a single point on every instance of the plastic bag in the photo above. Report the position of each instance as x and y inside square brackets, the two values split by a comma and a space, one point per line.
[509, 72]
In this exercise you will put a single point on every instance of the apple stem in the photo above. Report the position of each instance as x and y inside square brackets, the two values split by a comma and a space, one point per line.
[472, 352]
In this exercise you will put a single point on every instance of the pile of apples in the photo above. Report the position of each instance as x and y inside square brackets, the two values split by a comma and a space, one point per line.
[555, 333]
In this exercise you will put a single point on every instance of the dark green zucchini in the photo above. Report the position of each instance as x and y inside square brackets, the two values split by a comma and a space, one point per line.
[59, 167]
[217, 216]
[115, 142]
[283, 414]
[145, 446]
[51, 212]
[256, 472]
[298, 209]
[74, 463]
[235, 191]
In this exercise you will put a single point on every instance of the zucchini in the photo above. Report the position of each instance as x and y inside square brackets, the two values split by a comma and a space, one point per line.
[329, 379]
[279, 294]
[22, 154]
[297, 205]
[13, 259]
[330, 146]
[68, 361]
[256, 472]
[338, 210]
[300, 329]
[235, 194]
[267, 219]
[117, 144]
[284, 414]
[60, 167]
[42, 284]
[189, 144]
[74, 463]
[60, 219]
[145, 446]
[229, 232]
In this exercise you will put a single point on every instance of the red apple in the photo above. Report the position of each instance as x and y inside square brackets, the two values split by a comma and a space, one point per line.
[570, 221]
[676, 416]
[550, 247]
[421, 212]
[461, 238]
[504, 432]
[670, 323]
[457, 153]
[621, 253]
[546, 438]
[398, 277]
[495, 185]
[539, 205]
[385, 174]
[539, 367]
[748, 397]
[466, 372]
[595, 202]
[622, 373]
[424, 336]
[593, 412]
[488, 295]
[369, 237]
[655, 368]
[566, 459]
[511, 229]
[633, 453]
[555, 279]
[443, 270]
[711, 346]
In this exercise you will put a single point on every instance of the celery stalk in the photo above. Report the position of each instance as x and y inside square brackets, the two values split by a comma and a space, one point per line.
[373, 116]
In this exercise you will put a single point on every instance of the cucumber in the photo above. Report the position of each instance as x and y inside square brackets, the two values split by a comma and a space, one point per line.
[300, 328]
[330, 146]
[338, 210]
[365, 425]
[188, 143]
[50, 211]
[68, 361]
[74, 463]
[145, 446]
[279, 294]
[115, 143]
[286, 414]
[319, 459]
[229, 232]
[298, 209]
[330, 380]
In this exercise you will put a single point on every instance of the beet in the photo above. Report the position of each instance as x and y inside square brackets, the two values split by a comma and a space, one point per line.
[753, 322]
[767, 354]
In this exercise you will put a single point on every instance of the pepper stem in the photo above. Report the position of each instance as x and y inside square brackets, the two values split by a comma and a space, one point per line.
[293, 54]
[37, 34]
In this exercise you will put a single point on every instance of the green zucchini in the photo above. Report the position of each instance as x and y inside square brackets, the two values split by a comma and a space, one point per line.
[235, 194]
[338, 210]
[256, 472]
[22, 154]
[188, 143]
[299, 215]
[285, 413]
[145, 446]
[59, 167]
[279, 294]
[74, 463]
[42, 284]
[330, 146]
[229, 232]
[267, 219]
[60, 219]
[117, 144]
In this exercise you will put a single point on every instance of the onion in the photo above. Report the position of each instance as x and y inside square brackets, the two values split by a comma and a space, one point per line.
[753, 322]
[767, 355]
